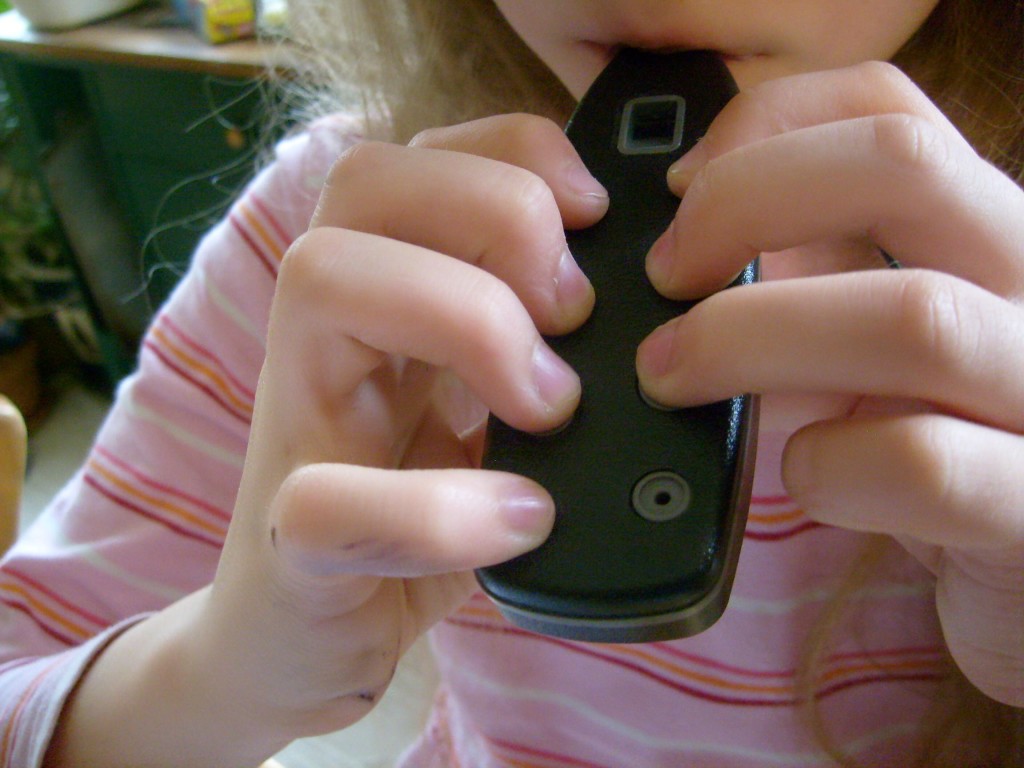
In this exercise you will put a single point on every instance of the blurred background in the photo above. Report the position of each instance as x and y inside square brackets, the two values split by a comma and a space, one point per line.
[126, 127]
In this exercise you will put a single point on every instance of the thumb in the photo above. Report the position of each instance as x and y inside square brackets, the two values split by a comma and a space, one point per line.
[334, 519]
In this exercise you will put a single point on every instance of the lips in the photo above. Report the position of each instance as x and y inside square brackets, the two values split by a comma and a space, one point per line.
[595, 51]
[601, 51]
[607, 51]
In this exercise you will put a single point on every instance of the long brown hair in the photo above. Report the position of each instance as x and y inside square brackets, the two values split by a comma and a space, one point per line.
[414, 64]
[964, 729]
[969, 58]
[420, 63]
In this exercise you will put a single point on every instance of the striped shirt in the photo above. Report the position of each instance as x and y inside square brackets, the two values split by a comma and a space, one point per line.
[142, 523]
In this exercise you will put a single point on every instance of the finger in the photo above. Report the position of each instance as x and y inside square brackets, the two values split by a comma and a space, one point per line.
[535, 144]
[894, 180]
[327, 327]
[985, 590]
[938, 479]
[913, 334]
[787, 104]
[496, 215]
[332, 519]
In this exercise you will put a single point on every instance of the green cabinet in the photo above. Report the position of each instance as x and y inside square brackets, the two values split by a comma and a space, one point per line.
[179, 145]
[140, 154]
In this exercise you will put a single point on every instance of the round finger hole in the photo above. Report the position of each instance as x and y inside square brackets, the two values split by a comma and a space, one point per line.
[661, 496]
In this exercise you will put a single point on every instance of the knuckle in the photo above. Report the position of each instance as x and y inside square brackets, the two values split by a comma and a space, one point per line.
[490, 310]
[357, 161]
[300, 261]
[936, 322]
[912, 145]
[531, 198]
[888, 82]
[750, 114]
[513, 135]
[434, 138]
[705, 190]
[295, 502]
[764, 110]
[931, 457]
[884, 77]
[303, 265]
[528, 132]
[939, 453]
[530, 219]
[492, 326]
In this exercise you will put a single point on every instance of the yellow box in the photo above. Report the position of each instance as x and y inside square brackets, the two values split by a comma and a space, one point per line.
[220, 21]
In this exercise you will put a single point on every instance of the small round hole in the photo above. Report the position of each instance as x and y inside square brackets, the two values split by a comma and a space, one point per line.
[661, 496]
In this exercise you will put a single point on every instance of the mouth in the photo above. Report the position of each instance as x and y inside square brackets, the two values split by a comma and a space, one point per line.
[597, 55]
[607, 52]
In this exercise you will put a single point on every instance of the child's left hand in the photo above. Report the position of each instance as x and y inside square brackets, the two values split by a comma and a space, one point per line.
[904, 389]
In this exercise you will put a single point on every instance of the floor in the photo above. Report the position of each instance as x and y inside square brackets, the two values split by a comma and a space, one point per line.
[58, 446]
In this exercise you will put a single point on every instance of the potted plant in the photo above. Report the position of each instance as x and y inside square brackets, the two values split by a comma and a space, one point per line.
[36, 280]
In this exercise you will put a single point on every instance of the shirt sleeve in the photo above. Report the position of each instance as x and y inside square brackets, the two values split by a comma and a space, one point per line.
[142, 523]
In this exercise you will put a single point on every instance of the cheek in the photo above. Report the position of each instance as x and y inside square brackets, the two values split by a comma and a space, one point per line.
[535, 23]
[577, 65]
[868, 30]
[814, 35]
[546, 28]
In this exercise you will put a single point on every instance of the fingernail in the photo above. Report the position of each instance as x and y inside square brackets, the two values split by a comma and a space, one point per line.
[660, 257]
[583, 183]
[682, 171]
[572, 288]
[654, 356]
[526, 509]
[556, 383]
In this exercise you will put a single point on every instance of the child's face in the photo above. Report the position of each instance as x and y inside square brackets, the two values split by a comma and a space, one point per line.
[760, 39]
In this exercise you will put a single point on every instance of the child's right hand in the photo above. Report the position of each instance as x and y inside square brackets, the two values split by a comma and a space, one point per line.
[441, 258]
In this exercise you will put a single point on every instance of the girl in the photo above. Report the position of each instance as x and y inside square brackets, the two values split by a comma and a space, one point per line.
[324, 371]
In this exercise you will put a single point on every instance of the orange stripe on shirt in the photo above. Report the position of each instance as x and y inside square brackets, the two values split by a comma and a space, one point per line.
[202, 351]
[870, 664]
[637, 652]
[161, 487]
[706, 678]
[195, 381]
[515, 763]
[53, 596]
[267, 262]
[768, 518]
[36, 605]
[851, 665]
[716, 694]
[771, 501]
[211, 376]
[153, 502]
[268, 217]
[254, 222]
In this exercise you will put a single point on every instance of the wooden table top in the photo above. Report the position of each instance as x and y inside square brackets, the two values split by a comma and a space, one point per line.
[146, 37]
